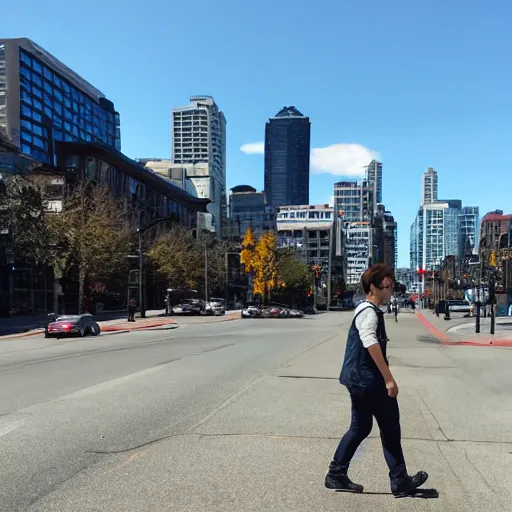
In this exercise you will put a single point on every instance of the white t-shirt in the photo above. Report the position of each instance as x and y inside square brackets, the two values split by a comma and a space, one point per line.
[366, 324]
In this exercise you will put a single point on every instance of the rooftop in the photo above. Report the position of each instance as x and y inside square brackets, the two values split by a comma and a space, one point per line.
[289, 112]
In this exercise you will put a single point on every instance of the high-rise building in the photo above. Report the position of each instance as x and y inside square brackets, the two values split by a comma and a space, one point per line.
[435, 234]
[384, 238]
[374, 177]
[287, 148]
[249, 209]
[452, 226]
[429, 186]
[355, 201]
[43, 102]
[199, 137]
[469, 230]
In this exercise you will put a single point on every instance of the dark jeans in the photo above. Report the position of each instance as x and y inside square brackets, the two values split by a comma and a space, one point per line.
[367, 403]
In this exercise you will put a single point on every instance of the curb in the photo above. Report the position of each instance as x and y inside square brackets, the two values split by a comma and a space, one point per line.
[9, 337]
[445, 339]
[105, 329]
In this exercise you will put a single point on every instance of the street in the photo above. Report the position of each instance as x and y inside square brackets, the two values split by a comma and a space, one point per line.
[243, 415]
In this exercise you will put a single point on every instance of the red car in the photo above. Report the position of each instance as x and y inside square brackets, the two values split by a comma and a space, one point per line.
[72, 325]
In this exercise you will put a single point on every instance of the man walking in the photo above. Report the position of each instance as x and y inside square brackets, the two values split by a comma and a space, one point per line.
[373, 391]
[394, 303]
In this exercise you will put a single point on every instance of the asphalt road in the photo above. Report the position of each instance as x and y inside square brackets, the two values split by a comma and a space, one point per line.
[66, 406]
[243, 415]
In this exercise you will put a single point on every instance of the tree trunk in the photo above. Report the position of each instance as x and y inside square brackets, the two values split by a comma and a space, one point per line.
[81, 281]
[249, 291]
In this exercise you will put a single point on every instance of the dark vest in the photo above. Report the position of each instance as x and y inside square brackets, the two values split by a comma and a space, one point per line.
[359, 369]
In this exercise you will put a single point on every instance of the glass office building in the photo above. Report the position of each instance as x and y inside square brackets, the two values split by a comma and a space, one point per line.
[287, 148]
[249, 209]
[43, 102]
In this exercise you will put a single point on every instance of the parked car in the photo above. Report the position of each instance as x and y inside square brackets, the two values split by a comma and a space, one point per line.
[72, 325]
[189, 307]
[215, 307]
[459, 306]
[251, 312]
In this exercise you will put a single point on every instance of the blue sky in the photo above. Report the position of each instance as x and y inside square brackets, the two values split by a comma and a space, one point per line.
[424, 83]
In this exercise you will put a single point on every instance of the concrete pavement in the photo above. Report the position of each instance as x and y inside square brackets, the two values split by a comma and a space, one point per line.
[461, 330]
[251, 422]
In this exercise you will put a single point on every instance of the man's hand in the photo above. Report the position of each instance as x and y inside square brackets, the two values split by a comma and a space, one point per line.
[392, 388]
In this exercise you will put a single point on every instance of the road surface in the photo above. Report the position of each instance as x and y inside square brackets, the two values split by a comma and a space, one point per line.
[242, 415]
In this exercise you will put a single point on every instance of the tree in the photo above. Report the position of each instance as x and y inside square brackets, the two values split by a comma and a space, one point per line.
[217, 271]
[265, 266]
[94, 235]
[294, 276]
[23, 214]
[178, 258]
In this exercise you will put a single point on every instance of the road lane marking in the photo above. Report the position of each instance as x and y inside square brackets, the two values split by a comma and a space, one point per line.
[9, 427]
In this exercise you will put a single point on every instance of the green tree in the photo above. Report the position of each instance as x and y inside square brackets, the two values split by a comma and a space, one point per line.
[294, 276]
[265, 266]
[216, 254]
[24, 216]
[178, 258]
[94, 235]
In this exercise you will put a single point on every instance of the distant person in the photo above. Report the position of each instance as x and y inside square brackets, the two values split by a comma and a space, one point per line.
[395, 310]
[373, 391]
[132, 308]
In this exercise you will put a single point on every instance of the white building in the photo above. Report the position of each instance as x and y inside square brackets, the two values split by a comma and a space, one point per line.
[358, 244]
[306, 228]
[199, 146]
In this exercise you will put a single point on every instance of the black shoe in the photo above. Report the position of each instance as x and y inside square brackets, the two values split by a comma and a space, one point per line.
[407, 486]
[337, 479]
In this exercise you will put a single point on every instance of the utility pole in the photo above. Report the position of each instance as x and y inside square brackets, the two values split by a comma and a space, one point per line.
[141, 270]
[205, 272]
[329, 266]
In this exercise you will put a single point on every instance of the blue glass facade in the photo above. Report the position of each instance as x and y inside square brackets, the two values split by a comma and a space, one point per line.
[287, 148]
[52, 109]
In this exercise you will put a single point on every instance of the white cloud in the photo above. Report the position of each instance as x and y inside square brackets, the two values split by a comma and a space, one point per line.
[253, 148]
[338, 159]
[342, 159]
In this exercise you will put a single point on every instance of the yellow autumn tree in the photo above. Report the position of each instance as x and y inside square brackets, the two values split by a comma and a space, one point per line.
[248, 253]
[265, 266]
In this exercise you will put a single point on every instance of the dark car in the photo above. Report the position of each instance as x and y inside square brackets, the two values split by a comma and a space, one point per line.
[189, 307]
[72, 325]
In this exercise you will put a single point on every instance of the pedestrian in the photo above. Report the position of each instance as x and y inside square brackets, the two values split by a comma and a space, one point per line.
[132, 308]
[373, 391]
[396, 311]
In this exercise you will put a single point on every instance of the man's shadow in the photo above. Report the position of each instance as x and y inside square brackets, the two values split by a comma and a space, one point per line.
[426, 494]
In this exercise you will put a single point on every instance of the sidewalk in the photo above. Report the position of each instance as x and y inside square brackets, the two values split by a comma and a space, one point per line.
[461, 330]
